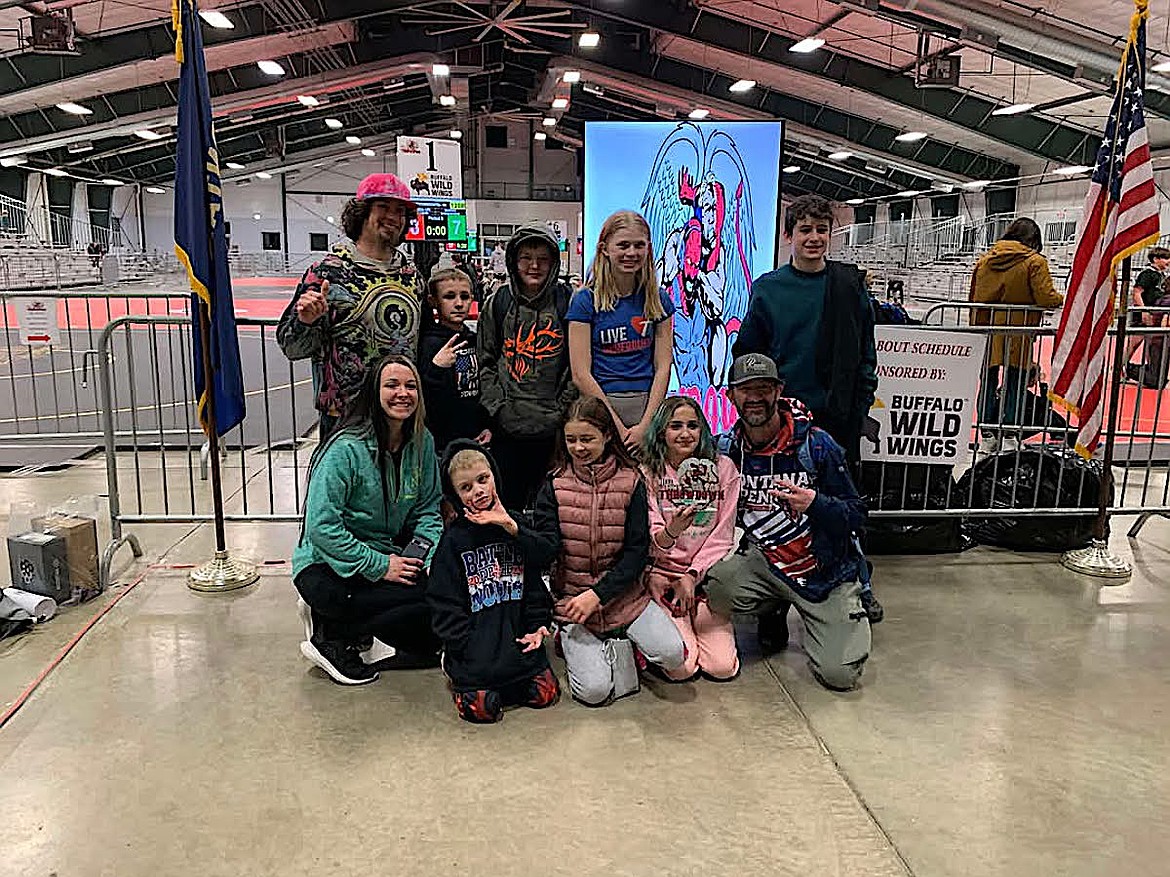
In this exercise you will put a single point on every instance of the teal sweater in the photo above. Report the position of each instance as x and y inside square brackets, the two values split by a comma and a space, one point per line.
[346, 521]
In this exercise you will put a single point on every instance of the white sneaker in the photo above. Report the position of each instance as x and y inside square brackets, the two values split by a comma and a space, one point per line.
[379, 651]
[306, 615]
[989, 445]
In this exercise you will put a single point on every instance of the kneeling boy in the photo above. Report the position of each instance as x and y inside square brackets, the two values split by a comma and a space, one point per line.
[489, 605]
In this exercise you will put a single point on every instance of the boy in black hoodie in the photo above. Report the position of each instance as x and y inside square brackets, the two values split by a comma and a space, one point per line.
[489, 605]
[448, 364]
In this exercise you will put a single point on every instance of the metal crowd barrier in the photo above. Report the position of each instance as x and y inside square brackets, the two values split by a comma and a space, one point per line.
[154, 446]
[1141, 472]
[152, 442]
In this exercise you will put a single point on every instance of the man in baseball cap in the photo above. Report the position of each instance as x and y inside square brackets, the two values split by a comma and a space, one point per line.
[799, 512]
[359, 303]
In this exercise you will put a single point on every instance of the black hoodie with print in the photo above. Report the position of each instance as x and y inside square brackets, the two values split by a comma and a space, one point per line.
[451, 394]
[485, 592]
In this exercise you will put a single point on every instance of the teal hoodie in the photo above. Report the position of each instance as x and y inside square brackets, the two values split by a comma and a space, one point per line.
[346, 523]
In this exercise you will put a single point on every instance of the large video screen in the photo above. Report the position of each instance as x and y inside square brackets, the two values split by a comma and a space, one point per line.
[711, 194]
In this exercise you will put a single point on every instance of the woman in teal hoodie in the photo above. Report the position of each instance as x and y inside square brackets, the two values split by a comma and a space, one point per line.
[373, 502]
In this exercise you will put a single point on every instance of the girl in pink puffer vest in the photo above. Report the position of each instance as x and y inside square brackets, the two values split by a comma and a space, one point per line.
[594, 504]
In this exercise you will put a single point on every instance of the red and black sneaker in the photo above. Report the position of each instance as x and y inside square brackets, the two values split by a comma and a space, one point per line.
[544, 690]
[479, 707]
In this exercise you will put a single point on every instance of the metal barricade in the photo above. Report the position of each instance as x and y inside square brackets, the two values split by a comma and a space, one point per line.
[153, 441]
[1012, 405]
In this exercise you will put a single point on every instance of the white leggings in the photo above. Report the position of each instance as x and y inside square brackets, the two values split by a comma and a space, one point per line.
[590, 661]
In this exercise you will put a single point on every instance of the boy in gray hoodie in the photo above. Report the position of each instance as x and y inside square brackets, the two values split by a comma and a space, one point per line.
[523, 351]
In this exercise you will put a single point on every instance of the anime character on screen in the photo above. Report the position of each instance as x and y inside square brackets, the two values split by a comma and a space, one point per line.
[699, 205]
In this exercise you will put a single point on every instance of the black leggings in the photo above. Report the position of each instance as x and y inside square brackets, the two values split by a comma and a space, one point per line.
[354, 609]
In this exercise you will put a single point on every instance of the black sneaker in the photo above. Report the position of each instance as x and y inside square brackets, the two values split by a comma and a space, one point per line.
[873, 609]
[340, 661]
[773, 631]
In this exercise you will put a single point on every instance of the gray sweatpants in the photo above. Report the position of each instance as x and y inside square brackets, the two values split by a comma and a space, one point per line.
[837, 635]
[590, 662]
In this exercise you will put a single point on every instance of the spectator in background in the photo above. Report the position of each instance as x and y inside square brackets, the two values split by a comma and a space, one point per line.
[1147, 292]
[814, 318]
[359, 303]
[524, 363]
[1012, 272]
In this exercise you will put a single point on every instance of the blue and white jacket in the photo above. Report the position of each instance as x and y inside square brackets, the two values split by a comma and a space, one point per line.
[811, 552]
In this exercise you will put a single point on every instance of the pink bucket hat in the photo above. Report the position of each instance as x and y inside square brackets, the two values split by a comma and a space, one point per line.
[385, 186]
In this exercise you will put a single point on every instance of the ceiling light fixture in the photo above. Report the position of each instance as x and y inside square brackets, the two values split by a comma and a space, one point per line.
[234, 166]
[1013, 110]
[368, 153]
[263, 175]
[840, 155]
[156, 190]
[455, 134]
[216, 19]
[353, 140]
[571, 76]
[809, 44]
[330, 220]
[335, 124]
[307, 100]
[855, 201]
[74, 109]
[148, 134]
[911, 136]
[1072, 170]
[440, 70]
[111, 182]
[589, 40]
[270, 67]
[548, 122]
[698, 114]
[792, 169]
[256, 216]
[742, 85]
[560, 103]
[56, 172]
[447, 100]
[974, 185]
[908, 193]
[13, 160]
[540, 135]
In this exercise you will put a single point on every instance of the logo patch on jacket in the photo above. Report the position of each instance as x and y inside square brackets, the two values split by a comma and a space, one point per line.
[532, 344]
[495, 574]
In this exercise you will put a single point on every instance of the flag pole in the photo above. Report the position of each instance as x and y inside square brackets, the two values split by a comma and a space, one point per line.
[1098, 560]
[222, 572]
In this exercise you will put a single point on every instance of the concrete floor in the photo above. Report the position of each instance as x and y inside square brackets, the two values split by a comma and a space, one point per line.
[1011, 723]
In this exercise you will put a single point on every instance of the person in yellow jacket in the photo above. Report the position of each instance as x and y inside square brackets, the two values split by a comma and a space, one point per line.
[1013, 272]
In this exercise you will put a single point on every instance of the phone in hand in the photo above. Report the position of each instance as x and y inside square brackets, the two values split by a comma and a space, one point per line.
[418, 548]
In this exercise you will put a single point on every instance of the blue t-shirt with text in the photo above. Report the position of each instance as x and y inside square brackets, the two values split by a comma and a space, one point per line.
[623, 340]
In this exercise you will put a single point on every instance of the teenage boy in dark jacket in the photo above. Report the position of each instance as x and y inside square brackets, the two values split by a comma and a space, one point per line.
[523, 349]
[800, 513]
[489, 605]
[814, 318]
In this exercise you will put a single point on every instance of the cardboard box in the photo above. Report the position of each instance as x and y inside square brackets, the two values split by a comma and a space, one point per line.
[80, 535]
[40, 566]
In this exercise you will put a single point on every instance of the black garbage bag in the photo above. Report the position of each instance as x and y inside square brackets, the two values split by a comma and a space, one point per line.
[915, 487]
[1040, 476]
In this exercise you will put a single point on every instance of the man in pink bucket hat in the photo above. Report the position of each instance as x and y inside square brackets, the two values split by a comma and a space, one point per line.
[359, 303]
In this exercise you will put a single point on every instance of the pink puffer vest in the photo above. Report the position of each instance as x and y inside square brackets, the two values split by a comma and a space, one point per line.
[591, 503]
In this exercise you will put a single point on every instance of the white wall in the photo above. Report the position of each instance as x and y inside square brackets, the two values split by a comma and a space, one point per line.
[490, 212]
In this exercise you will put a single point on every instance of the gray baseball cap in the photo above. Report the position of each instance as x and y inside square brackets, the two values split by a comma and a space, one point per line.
[753, 367]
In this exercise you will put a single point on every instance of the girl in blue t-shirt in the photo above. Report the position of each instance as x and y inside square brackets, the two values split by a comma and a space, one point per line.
[621, 333]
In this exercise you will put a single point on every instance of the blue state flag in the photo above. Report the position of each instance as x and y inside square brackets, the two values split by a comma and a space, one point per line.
[200, 234]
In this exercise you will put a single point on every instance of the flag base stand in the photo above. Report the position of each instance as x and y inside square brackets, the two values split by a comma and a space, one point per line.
[224, 573]
[1097, 560]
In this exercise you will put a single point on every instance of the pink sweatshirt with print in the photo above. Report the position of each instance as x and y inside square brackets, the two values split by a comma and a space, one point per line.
[711, 537]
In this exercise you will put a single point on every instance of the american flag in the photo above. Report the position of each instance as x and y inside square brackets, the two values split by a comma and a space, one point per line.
[1120, 218]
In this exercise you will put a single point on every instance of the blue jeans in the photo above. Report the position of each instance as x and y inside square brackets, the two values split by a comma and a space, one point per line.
[1014, 382]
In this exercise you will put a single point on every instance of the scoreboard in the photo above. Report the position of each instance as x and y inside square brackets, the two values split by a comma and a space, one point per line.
[439, 220]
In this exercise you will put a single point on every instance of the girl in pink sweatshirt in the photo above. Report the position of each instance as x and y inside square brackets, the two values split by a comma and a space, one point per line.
[694, 492]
